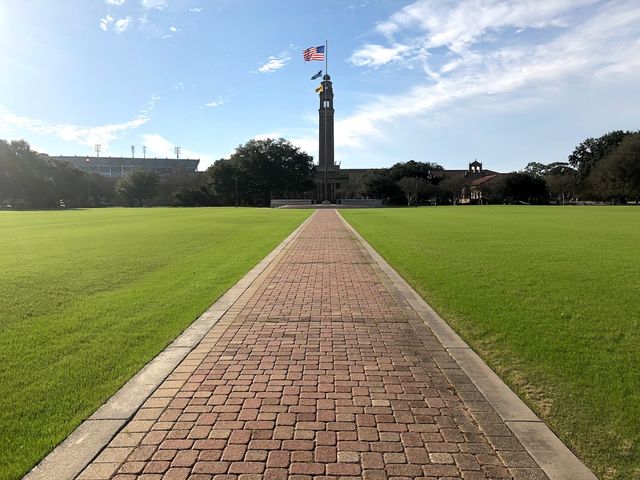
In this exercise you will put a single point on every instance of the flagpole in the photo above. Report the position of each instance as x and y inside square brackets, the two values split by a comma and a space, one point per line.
[326, 57]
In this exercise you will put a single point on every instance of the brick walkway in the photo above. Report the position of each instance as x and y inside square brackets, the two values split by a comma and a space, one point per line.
[318, 371]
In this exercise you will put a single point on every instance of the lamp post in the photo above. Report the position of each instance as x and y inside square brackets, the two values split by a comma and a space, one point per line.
[88, 180]
[235, 181]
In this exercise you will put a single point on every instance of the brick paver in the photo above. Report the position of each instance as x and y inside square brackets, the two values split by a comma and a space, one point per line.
[320, 370]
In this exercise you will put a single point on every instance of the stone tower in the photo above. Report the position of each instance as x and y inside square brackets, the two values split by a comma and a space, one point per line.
[325, 139]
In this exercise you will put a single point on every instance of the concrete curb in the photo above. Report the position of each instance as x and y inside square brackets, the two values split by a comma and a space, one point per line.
[84, 444]
[548, 451]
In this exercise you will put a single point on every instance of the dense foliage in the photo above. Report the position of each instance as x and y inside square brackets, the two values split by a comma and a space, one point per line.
[605, 169]
[405, 182]
[602, 169]
[257, 171]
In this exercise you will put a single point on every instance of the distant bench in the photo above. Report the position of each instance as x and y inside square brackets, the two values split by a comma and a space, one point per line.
[281, 202]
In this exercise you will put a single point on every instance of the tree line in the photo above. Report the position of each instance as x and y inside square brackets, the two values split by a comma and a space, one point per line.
[256, 172]
[598, 169]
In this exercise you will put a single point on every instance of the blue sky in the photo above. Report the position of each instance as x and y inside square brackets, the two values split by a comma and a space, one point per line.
[506, 82]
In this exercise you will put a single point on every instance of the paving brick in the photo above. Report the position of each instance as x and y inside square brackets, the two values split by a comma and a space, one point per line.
[319, 371]
[177, 474]
[247, 467]
[343, 469]
[306, 468]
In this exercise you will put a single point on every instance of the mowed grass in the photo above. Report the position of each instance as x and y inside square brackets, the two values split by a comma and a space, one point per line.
[88, 297]
[550, 298]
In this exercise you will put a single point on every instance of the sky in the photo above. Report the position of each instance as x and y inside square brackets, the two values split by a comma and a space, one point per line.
[505, 82]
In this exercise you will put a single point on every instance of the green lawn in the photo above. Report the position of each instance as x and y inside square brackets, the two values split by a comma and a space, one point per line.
[549, 296]
[89, 296]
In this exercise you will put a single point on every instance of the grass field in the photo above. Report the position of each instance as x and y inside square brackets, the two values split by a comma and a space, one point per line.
[550, 298]
[89, 296]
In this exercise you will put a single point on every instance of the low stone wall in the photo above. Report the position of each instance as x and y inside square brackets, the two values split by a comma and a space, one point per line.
[281, 202]
[362, 202]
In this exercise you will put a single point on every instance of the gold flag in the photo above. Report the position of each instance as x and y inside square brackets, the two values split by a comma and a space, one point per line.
[319, 89]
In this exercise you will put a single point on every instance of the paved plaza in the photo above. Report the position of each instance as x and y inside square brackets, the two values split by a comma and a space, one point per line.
[319, 370]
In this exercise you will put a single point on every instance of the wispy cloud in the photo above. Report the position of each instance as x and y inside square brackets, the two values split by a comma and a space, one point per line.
[119, 25]
[195, 10]
[216, 103]
[306, 140]
[158, 146]
[155, 4]
[472, 66]
[170, 33]
[457, 24]
[105, 22]
[122, 24]
[264, 136]
[115, 3]
[306, 143]
[376, 55]
[80, 134]
[274, 63]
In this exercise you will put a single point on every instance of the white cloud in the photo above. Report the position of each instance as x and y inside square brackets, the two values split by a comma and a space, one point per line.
[605, 44]
[263, 136]
[158, 146]
[457, 24]
[308, 144]
[81, 134]
[117, 25]
[275, 63]
[216, 103]
[116, 3]
[173, 29]
[155, 4]
[105, 22]
[195, 10]
[307, 141]
[377, 55]
[122, 24]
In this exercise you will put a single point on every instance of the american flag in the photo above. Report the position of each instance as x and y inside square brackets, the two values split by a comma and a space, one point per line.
[313, 53]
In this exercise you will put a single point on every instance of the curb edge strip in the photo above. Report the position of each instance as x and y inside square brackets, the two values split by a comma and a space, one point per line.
[548, 451]
[85, 443]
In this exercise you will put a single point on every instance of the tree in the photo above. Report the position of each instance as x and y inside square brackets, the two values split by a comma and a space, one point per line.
[587, 155]
[138, 186]
[522, 187]
[379, 184]
[169, 186]
[413, 188]
[426, 170]
[71, 184]
[536, 168]
[260, 170]
[562, 183]
[451, 188]
[561, 178]
[617, 176]
[193, 196]
[224, 177]
[26, 179]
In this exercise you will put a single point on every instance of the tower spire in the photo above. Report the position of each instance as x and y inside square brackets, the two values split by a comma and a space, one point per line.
[326, 141]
